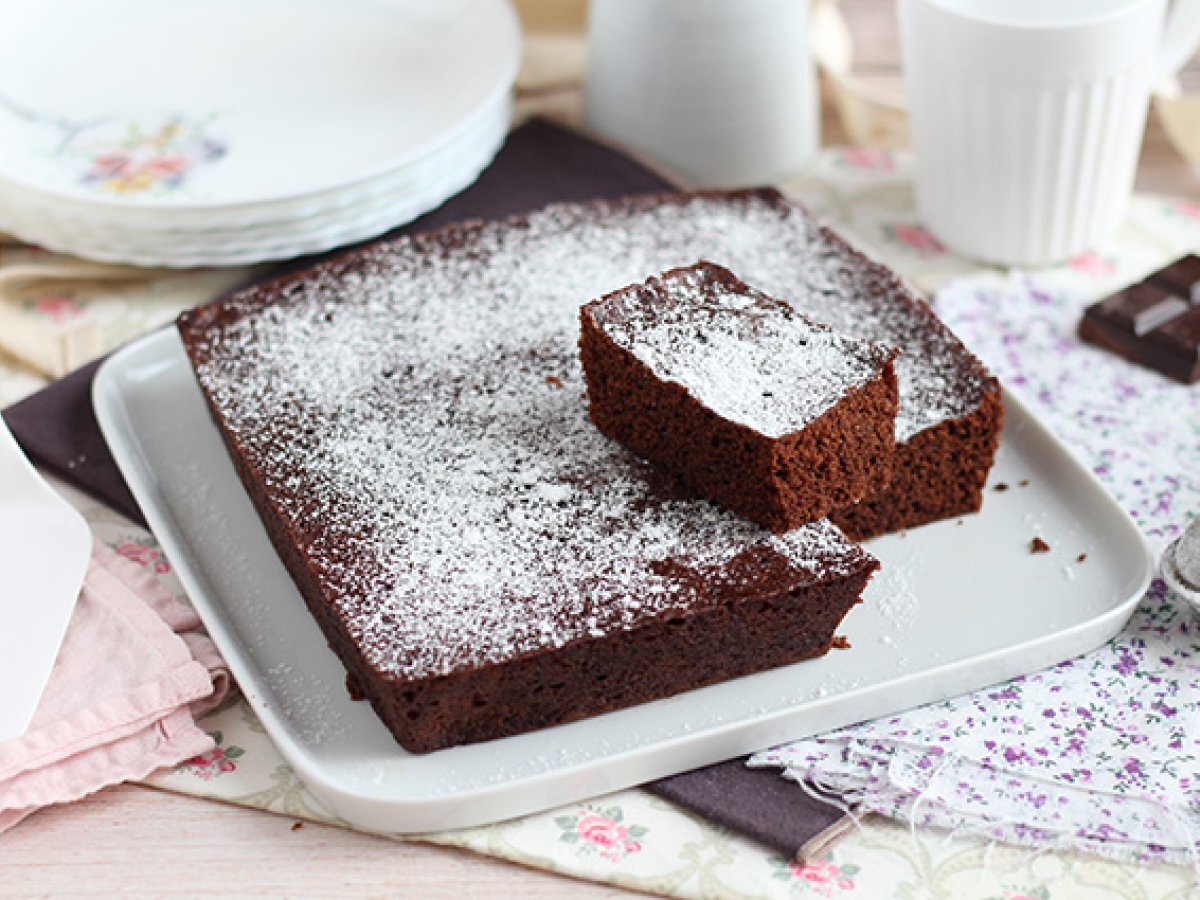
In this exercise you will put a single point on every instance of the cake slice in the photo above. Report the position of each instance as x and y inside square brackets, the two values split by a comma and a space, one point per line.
[773, 415]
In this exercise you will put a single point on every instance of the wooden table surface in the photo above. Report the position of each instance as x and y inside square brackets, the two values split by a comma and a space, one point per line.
[131, 841]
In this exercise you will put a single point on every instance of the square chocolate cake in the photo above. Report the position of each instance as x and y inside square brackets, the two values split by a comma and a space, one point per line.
[409, 422]
[775, 416]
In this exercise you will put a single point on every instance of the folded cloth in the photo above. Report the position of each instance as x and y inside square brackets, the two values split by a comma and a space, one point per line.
[1099, 753]
[57, 428]
[132, 676]
[759, 804]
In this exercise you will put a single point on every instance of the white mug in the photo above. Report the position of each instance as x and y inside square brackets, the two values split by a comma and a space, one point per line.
[723, 92]
[1027, 116]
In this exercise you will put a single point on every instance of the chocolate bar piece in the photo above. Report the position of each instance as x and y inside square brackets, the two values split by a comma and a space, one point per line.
[1182, 277]
[1155, 323]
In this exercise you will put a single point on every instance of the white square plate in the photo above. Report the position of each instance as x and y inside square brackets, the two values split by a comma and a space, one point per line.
[958, 605]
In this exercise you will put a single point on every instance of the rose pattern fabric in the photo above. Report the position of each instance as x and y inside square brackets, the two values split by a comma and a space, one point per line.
[602, 832]
[915, 237]
[220, 760]
[145, 552]
[821, 877]
[1102, 752]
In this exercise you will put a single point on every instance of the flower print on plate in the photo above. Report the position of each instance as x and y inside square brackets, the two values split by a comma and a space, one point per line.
[155, 157]
[119, 154]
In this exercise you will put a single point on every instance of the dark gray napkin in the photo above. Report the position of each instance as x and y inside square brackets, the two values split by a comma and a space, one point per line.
[540, 163]
[57, 428]
[758, 803]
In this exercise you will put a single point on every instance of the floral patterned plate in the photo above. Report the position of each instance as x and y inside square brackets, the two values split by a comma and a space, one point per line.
[203, 104]
[342, 218]
[958, 604]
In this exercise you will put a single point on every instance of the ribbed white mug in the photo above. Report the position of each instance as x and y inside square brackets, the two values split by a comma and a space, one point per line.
[1027, 116]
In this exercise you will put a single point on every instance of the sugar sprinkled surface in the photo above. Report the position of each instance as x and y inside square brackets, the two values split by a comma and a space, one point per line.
[749, 358]
[416, 412]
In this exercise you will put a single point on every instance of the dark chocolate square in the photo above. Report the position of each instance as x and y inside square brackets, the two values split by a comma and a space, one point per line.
[1144, 307]
[1180, 336]
[1181, 277]
[1155, 323]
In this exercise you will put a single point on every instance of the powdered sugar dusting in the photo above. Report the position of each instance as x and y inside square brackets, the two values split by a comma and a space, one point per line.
[747, 357]
[416, 411]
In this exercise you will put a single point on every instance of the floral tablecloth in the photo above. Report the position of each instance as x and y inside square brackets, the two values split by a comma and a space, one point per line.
[1101, 752]
[632, 838]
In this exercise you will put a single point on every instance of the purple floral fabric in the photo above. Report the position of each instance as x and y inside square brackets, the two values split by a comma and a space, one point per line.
[1101, 752]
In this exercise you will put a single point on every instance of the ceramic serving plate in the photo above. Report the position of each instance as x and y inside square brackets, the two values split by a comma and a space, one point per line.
[958, 605]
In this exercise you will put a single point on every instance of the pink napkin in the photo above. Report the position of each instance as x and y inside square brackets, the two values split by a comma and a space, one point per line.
[133, 674]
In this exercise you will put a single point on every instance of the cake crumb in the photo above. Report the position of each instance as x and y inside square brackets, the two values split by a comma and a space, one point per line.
[1037, 545]
[554, 381]
[1081, 557]
[296, 826]
[840, 642]
[1024, 482]
[1000, 486]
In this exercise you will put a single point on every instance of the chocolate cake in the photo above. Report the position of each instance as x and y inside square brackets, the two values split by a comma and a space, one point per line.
[408, 420]
[777, 417]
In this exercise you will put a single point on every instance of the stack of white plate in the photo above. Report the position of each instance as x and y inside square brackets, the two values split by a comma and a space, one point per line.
[222, 132]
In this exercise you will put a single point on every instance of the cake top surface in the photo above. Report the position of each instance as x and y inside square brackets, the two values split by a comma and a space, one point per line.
[746, 356]
[415, 412]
